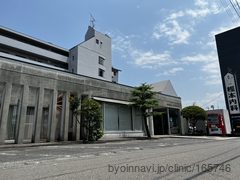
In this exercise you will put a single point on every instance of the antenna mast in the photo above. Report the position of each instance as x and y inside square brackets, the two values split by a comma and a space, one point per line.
[92, 20]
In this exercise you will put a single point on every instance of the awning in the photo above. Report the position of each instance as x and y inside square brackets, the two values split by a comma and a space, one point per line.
[112, 100]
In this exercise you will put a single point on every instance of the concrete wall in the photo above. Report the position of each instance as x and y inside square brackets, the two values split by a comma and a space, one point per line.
[30, 86]
[26, 85]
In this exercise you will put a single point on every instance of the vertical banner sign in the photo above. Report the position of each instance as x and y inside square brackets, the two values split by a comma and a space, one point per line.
[232, 95]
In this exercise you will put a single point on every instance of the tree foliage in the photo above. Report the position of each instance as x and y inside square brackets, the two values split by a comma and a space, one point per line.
[194, 114]
[92, 119]
[74, 103]
[91, 116]
[144, 99]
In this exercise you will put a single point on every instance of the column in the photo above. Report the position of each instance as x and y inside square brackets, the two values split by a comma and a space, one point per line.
[38, 116]
[22, 112]
[76, 125]
[133, 117]
[162, 124]
[52, 116]
[169, 130]
[6, 98]
[182, 124]
[151, 126]
[64, 118]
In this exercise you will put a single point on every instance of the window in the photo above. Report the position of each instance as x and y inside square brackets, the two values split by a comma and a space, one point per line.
[117, 117]
[97, 41]
[101, 60]
[114, 73]
[20, 56]
[73, 58]
[4, 51]
[101, 73]
[72, 70]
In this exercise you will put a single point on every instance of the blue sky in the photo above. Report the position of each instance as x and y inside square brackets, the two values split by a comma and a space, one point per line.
[152, 41]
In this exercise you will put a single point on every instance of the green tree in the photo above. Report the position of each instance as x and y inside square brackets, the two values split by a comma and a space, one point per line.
[74, 103]
[91, 116]
[193, 114]
[144, 99]
[92, 119]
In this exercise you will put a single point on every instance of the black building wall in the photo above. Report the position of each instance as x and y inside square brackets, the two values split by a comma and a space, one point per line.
[228, 47]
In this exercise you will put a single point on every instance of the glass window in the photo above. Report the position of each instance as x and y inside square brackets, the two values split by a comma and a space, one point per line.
[125, 118]
[101, 73]
[44, 125]
[111, 117]
[12, 123]
[97, 41]
[117, 117]
[138, 121]
[29, 123]
[101, 60]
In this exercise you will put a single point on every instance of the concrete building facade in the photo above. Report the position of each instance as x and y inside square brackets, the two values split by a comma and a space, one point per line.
[37, 79]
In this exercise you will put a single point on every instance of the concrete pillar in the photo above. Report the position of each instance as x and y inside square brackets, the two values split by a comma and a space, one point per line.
[38, 116]
[64, 118]
[22, 112]
[6, 98]
[151, 126]
[162, 124]
[169, 130]
[133, 117]
[182, 123]
[52, 116]
[76, 125]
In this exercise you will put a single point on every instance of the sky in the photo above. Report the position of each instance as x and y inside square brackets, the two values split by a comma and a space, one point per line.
[152, 41]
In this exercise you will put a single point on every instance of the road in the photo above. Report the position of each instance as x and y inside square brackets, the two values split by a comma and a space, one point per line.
[164, 158]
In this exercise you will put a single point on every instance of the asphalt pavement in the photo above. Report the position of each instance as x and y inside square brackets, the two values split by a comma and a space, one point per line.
[168, 157]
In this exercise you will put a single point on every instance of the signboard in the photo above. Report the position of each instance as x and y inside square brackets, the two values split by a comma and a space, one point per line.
[231, 92]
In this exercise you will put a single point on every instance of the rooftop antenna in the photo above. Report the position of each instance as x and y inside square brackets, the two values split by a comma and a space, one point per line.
[92, 20]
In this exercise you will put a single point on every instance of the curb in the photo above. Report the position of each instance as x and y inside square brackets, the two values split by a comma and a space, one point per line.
[61, 143]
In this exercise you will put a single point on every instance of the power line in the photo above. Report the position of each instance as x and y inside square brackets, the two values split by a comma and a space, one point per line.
[230, 13]
[212, 100]
[234, 7]
[237, 4]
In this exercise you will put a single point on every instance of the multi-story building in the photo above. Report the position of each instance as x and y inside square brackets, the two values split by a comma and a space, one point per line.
[36, 78]
[91, 58]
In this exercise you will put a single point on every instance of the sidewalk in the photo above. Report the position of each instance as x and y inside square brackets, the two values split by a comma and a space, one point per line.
[10, 144]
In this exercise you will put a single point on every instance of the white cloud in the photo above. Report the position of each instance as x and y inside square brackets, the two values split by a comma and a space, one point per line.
[201, 3]
[173, 31]
[214, 79]
[215, 99]
[156, 35]
[175, 15]
[121, 43]
[198, 13]
[145, 59]
[205, 9]
[142, 58]
[210, 66]
[180, 34]
[212, 56]
[170, 72]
